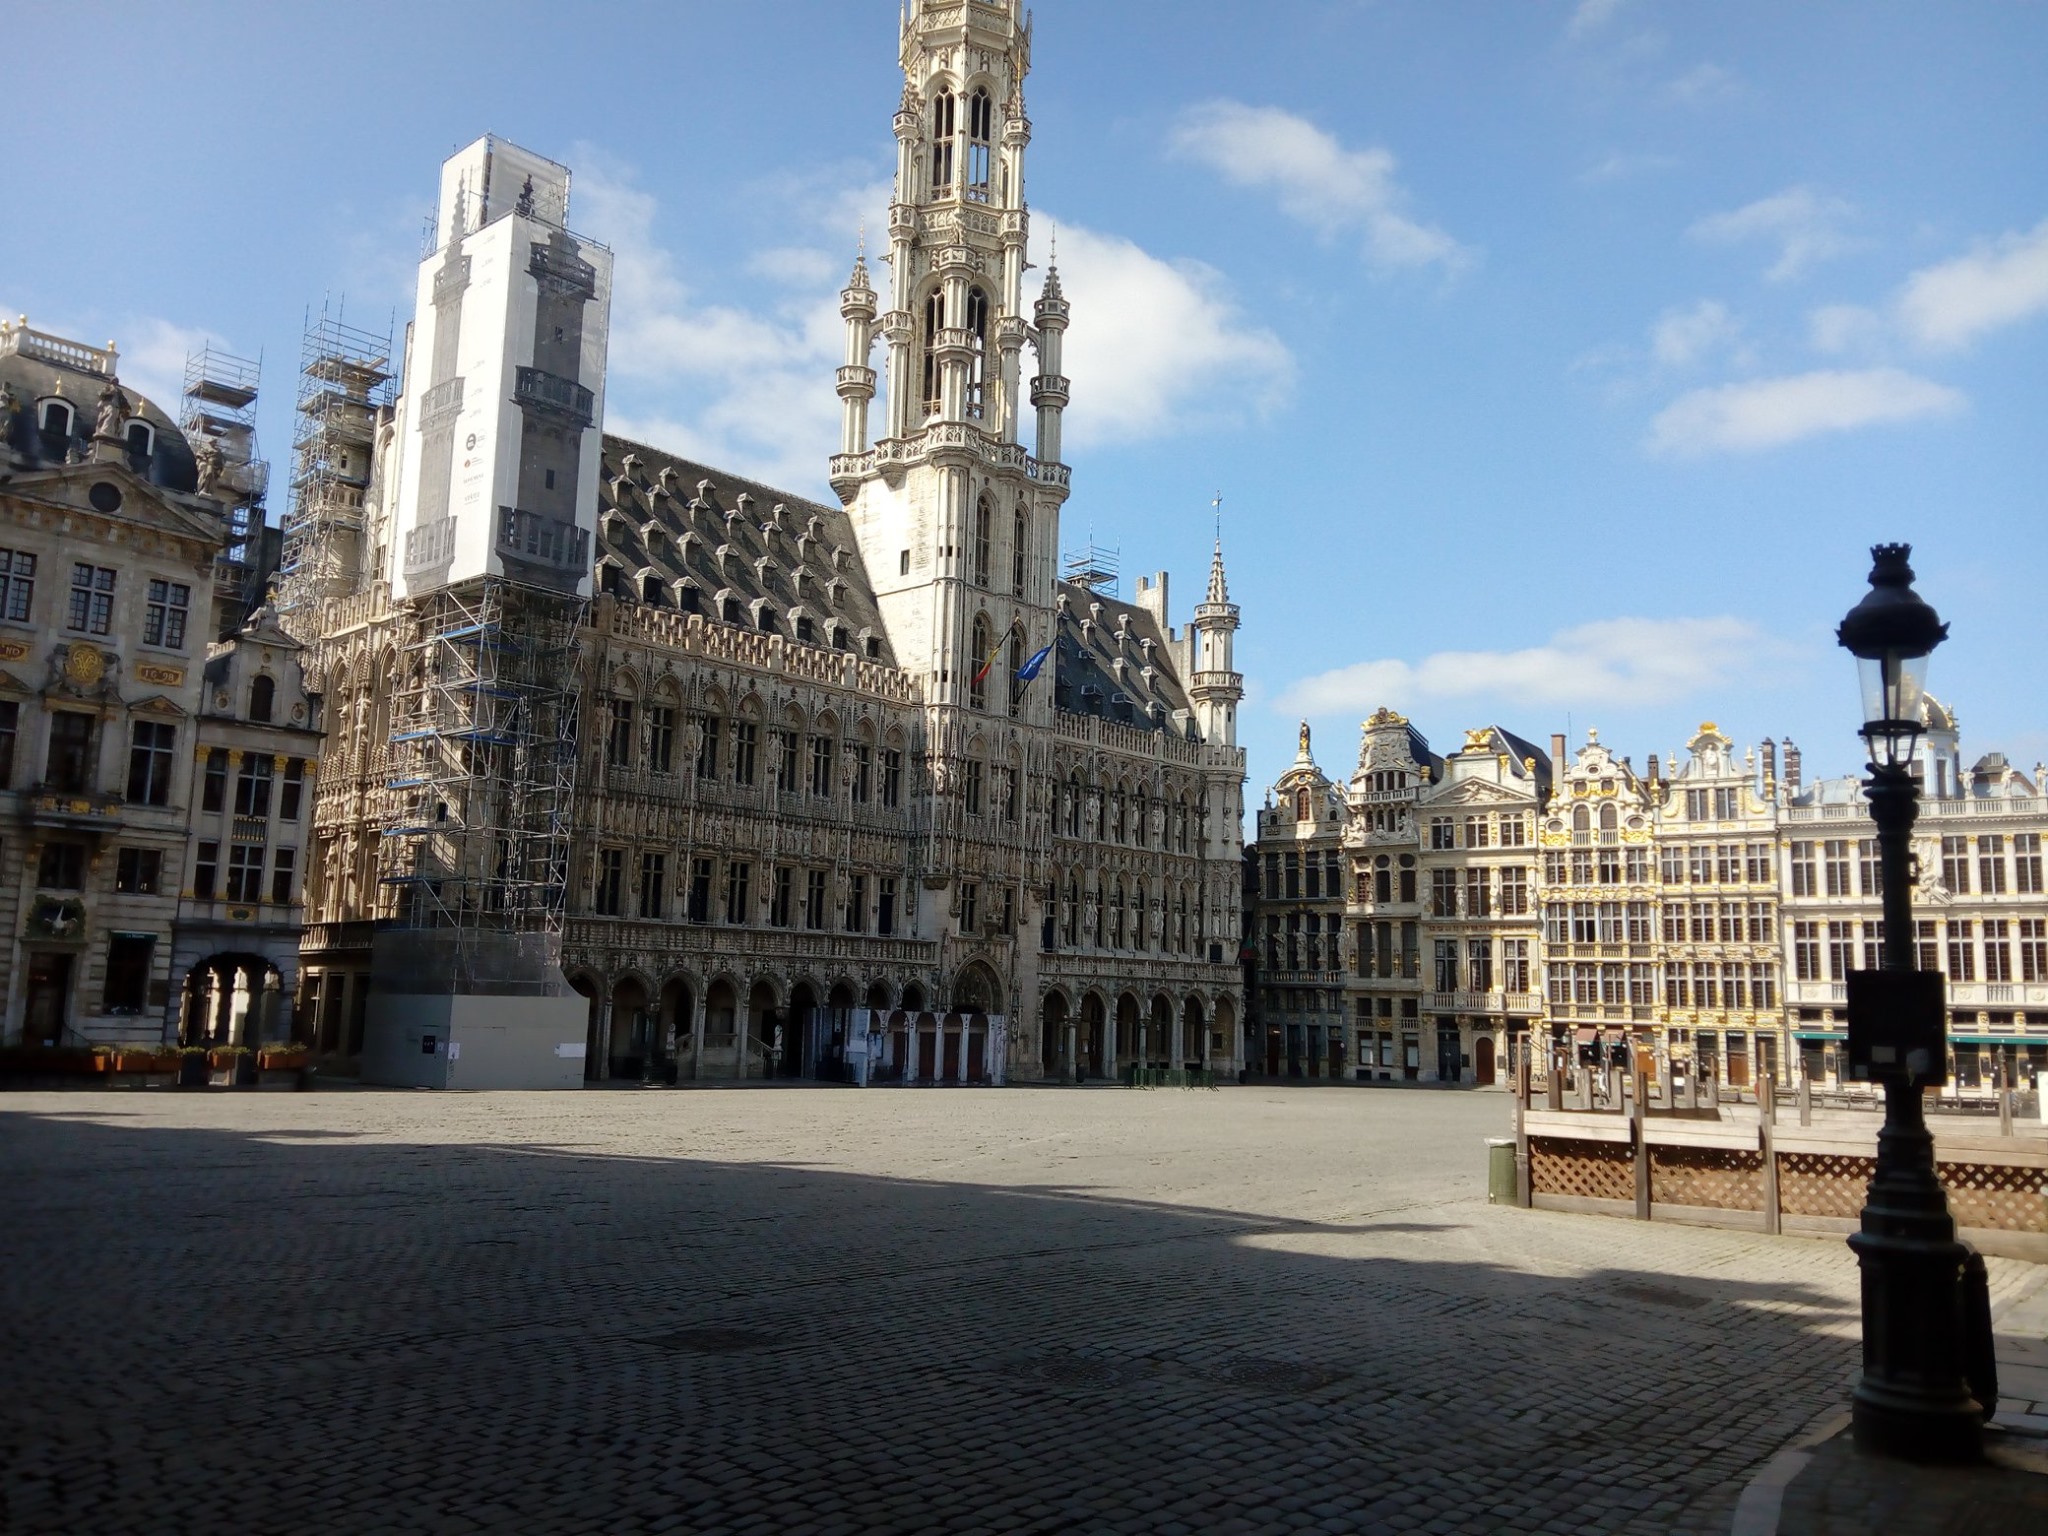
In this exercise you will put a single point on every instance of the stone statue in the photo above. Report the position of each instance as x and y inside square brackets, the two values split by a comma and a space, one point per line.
[10, 412]
[114, 410]
[212, 465]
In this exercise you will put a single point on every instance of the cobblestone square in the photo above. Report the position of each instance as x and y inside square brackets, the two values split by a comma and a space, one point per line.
[1031, 1310]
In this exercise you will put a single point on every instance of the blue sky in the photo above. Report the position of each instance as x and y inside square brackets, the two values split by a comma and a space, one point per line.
[1556, 360]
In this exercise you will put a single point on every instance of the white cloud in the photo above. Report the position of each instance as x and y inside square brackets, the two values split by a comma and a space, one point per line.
[1806, 227]
[1622, 662]
[1769, 413]
[1619, 166]
[1155, 344]
[1316, 179]
[1839, 328]
[1703, 85]
[1591, 16]
[1684, 336]
[2000, 283]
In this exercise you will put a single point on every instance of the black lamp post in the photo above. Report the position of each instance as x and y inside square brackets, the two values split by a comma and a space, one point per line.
[1913, 1399]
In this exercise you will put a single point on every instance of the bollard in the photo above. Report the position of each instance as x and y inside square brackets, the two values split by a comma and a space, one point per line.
[1980, 1356]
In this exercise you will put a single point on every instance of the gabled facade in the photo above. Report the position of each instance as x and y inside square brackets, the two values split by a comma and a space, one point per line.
[111, 582]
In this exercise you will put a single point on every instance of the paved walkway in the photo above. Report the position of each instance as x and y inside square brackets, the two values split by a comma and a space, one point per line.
[899, 1310]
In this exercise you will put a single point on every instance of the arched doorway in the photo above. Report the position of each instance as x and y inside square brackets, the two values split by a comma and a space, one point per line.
[1194, 1045]
[678, 1021]
[767, 1038]
[977, 993]
[632, 1029]
[1094, 1025]
[1226, 1026]
[913, 998]
[878, 996]
[1127, 1013]
[1482, 1060]
[585, 987]
[722, 1054]
[1053, 1058]
[1160, 1034]
[799, 1027]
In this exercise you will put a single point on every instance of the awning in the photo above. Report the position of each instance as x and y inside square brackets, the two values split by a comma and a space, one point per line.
[1823, 1035]
[1998, 1040]
[1587, 1035]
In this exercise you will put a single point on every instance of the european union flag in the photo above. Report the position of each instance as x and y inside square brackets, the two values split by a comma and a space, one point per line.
[1030, 668]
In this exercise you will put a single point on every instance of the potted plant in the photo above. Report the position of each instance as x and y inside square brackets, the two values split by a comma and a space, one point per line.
[100, 1059]
[193, 1066]
[282, 1056]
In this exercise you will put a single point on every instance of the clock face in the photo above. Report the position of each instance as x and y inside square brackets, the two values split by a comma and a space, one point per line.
[83, 664]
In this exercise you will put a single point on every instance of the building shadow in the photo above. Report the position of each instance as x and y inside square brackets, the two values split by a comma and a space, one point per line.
[299, 1331]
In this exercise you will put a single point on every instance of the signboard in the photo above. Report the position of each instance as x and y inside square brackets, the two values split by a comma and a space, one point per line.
[1898, 1027]
[504, 391]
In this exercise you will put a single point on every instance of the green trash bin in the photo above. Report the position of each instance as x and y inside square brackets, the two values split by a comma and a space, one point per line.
[1500, 1171]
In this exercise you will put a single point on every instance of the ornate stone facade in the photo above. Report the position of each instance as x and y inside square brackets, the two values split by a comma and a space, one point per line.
[871, 757]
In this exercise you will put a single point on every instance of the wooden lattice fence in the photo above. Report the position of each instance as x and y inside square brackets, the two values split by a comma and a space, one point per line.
[1770, 1178]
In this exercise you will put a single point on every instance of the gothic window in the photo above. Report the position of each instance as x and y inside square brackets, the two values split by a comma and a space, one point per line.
[934, 322]
[943, 123]
[1140, 825]
[1017, 554]
[1073, 805]
[981, 116]
[1138, 915]
[1116, 915]
[977, 372]
[977, 687]
[1017, 686]
[892, 777]
[984, 527]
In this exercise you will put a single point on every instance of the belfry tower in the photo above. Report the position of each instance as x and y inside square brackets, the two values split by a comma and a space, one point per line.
[958, 523]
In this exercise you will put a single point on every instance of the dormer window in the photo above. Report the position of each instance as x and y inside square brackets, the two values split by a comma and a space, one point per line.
[55, 419]
[262, 700]
[981, 117]
[141, 438]
[943, 128]
[805, 631]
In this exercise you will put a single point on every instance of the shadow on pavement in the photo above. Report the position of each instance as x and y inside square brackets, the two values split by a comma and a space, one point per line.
[210, 1331]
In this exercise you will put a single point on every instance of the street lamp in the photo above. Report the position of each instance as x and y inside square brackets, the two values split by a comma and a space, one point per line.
[1914, 1399]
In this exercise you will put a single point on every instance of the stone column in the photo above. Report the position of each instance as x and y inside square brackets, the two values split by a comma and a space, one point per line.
[967, 1030]
[1073, 1055]
[697, 999]
[601, 1069]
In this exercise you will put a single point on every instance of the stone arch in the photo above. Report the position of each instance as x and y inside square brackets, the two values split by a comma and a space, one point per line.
[1092, 1035]
[1194, 1043]
[590, 987]
[1128, 1011]
[1159, 1031]
[1054, 1050]
[632, 1039]
[914, 999]
[677, 1012]
[232, 997]
[879, 995]
[977, 989]
[766, 1041]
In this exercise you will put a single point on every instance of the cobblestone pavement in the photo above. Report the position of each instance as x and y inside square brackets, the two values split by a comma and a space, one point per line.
[904, 1310]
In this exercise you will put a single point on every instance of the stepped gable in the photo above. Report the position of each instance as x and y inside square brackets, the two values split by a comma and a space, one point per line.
[1088, 680]
[676, 534]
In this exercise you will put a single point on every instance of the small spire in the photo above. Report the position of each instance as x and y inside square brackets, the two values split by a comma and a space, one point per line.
[860, 278]
[1219, 588]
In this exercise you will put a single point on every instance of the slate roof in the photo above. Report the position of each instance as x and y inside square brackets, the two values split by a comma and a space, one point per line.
[1144, 691]
[682, 535]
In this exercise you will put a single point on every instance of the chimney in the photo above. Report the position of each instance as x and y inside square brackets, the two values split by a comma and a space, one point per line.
[1557, 760]
[1791, 767]
[1770, 761]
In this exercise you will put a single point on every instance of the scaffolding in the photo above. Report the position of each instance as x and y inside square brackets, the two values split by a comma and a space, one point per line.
[219, 422]
[478, 793]
[1098, 569]
[345, 385]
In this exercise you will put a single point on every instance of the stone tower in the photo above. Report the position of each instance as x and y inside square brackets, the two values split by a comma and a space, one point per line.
[958, 524]
[1215, 687]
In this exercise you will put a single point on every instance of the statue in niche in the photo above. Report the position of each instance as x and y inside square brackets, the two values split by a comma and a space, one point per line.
[10, 413]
